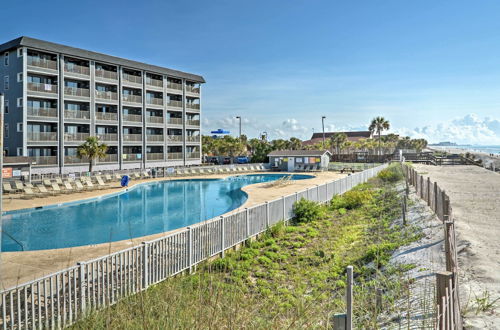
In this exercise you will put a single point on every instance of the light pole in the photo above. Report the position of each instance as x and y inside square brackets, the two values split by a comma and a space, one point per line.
[238, 117]
[264, 135]
[323, 124]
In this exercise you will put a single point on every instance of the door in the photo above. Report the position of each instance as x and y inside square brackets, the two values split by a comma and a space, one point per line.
[291, 164]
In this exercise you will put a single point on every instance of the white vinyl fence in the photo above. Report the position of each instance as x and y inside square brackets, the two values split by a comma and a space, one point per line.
[60, 299]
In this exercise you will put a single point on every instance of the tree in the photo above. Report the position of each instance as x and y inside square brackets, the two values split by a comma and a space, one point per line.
[92, 150]
[378, 125]
[338, 140]
[295, 144]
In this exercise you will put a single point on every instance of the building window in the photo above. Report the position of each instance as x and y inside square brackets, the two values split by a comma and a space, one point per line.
[20, 77]
[6, 106]
[6, 131]
[6, 58]
[6, 82]
[19, 102]
[6, 151]
[19, 151]
[20, 52]
[19, 127]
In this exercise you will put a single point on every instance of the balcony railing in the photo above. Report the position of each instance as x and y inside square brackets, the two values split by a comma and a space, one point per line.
[132, 98]
[193, 122]
[130, 117]
[174, 155]
[75, 91]
[154, 156]
[194, 106]
[43, 88]
[155, 138]
[76, 136]
[131, 78]
[42, 136]
[154, 82]
[113, 96]
[154, 119]
[75, 160]
[79, 69]
[175, 138]
[107, 137]
[172, 85]
[175, 104]
[76, 114]
[106, 116]
[106, 74]
[132, 137]
[132, 157]
[192, 155]
[192, 89]
[193, 138]
[43, 160]
[154, 100]
[42, 112]
[175, 121]
[42, 63]
[109, 158]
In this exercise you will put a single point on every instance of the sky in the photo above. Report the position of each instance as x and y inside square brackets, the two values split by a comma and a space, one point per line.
[432, 68]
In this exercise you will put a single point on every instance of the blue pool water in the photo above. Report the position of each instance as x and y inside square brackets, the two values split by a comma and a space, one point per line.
[145, 209]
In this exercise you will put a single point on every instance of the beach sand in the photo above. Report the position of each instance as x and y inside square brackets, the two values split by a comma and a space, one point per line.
[487, 158]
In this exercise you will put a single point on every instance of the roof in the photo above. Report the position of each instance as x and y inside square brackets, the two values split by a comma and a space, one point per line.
[298, 153]
[78, 52]
[358, 134]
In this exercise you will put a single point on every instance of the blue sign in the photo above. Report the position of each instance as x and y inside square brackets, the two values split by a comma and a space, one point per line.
[220, 131]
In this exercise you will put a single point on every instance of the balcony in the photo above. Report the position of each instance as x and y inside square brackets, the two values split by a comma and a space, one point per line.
[78, 69]
[175, 104]
[43, 160]
[154, 156]
[112, 116]
[75, 91]
[132, 137]
[42, 88]
[132, 157]
[134, 118]
[174, 155]
[175, 121]
[193, 106]
[109, 158]
[42, 112]
[193, 122]
[76, 114]
[111, 96]
[192, 89]
[174, 138]
[154, 119]
[154, 101]
[42, 136]
[154, 82]
[176, 86]
[132, 79]
[42, 63]
[132, 98]
[193, 138]
[107, 137]
[192, 155]
[155, 138]
[105, 74]
[75, 160]
[75, 137]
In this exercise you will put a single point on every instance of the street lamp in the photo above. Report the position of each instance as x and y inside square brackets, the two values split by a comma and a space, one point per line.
[323, 124]
[238, 117]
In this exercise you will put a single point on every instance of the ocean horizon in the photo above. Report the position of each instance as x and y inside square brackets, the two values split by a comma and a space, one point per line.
[490, 149]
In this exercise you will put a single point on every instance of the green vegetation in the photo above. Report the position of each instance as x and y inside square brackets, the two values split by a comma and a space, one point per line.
[291, 277]
[92, 150]
[378, 125]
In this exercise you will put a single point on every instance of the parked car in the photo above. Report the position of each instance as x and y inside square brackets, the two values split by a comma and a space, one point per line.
[226, 160]
[242, 160]
[213, 160]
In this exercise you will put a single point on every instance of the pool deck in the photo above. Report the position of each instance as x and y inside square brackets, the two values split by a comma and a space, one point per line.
[21, 267]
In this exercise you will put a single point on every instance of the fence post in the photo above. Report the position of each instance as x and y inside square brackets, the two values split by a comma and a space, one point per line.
[429, 191]
[339, 321]
[82, 286]
[145, 265]
[378, 302]
[443, 281]
[404, 209]
[190, 249]
[283, 200]
[296, 197]
[435, 197]
[247, 222]
[222, 236]
[267, 215]
[349, 297]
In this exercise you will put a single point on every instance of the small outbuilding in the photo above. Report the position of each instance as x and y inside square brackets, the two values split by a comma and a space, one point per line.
[299, 160]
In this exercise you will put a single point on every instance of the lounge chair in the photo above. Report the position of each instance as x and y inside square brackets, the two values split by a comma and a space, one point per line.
[118, 177]
[28, 193]
[136, 175]
[19, 185]
[8, 189]
[56, 189]
[47, 183]
[59, 181]
[100, 183]
[108, 178]
[146, 175]
[43, 190]
[68, 186]
[90, 185]
[79, 186]
[201, 171]
[193, 172]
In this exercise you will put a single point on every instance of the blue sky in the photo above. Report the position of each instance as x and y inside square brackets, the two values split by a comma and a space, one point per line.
[431, 67]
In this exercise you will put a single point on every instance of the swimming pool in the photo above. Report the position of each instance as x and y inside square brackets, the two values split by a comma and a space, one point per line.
[144, 209]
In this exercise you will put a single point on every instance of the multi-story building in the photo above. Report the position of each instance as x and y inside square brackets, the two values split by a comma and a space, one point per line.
[56, 96]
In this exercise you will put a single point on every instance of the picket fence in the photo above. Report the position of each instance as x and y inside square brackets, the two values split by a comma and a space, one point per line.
[60, 299]
[447, 292]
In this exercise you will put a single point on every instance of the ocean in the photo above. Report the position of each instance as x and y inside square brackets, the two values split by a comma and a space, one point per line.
[488, 149]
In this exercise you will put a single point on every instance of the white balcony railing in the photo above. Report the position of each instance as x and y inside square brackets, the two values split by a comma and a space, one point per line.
[174, 155]
[154, 119]
[42, 88]
[132, 137]
[194, 106]
[106, 74]
[176, 86]
[42, 63]
[109, 158]
[154, 156]
[175, 104]
[75, 91]
[76, 114]
[71, 137]
[42, 112]
[132, 157]
[107, 137]
[154, 82]
[112, 116]
[132, 78]
[192, 89]
[193, 138]
[75, 160]
[192, 155]
[132, 98]
[193, 122]
[79, 69]
[155, 138]
[106, 95]
[131, 117]
[154, 101]
[42, 136]
[43, 160]
[175, 138]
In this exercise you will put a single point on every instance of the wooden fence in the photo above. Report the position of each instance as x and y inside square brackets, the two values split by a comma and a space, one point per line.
[447, 291]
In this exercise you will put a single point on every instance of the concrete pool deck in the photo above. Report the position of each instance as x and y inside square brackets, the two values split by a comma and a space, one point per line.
[21, 267]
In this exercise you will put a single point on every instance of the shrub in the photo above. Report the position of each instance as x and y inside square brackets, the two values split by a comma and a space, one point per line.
[307, 211]
[351, 199]
[393, 173]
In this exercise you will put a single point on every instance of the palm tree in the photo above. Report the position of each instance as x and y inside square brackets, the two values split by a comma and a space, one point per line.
[378, 125]
[338, 139]
[92, 149]
[295, 144]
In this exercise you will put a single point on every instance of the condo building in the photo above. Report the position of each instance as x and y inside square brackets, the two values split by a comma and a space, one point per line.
[56, 96]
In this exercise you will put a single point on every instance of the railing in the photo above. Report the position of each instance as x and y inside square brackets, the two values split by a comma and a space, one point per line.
[154, 119]
[108, 95]
[175, 104]
[106, 115]
[175, 121]
[131, 78]
[42, 136]
[154, 156]
[106, 74]
[44, 160]
[154, 101]
[75, 91]
[42, 88]
[194, 106]
[76, 114]
[172, 85]
[193, 138]
[107, 137]
[154, 82]
[109, 158]
[193, 122]
[131, 117]
[192, 155]
[192, 89]
[174, 138]
[132, 157]
[60, 299]
[79, 69]
[132, 98]
[75, 160]
[155, 138]
[174, 155]
[42, 63]
[42, 112]
[132, 137]
[76, 136]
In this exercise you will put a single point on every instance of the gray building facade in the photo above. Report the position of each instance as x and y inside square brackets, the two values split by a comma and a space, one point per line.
[56, 96]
